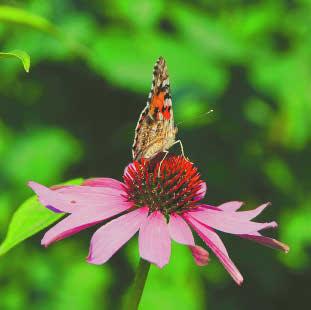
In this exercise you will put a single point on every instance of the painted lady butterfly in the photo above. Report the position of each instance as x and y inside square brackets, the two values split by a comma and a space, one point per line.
[156, 131]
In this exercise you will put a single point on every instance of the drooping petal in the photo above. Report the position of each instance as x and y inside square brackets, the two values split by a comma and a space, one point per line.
[230, 222]
[179, 230]
[154, 240]
[231, 206]
[200, 255]
[269, 242]
[70, 198]
[82, 219]
[104, 182]
[215, 244]
[111, 237]
[209, 232]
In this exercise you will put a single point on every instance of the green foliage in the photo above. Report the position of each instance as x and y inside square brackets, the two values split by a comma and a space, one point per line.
[179, 278]
[86, 293]
[23, 56]
[24, 18]
[91, 72]
[134, 71]
[279, 174]
[42, 155]
[30, 218]
[297, 231]
[258, 112]
[193, 112]
[141, 14]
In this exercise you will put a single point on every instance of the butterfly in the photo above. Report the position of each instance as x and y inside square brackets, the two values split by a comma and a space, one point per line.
[156, 131]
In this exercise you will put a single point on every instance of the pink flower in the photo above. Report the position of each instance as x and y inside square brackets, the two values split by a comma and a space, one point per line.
[161, 209]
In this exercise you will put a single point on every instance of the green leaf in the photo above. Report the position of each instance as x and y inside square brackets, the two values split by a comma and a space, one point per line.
[29, 219]
[24, 18]
[23, 56]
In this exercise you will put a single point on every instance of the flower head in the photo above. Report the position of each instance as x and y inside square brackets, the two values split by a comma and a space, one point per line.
[177, 187]
[162, 202]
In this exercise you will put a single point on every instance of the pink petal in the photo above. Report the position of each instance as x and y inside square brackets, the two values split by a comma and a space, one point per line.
[246, 215]
[270, 242]
[231, 206]
[127, 168]
[57, 186]
[209, 232]
[214, 242]
[50, 197]
[104, 182]
[86, 194]
[82, 219]
[70, 198]
[202, 191]
[111, 237]
[200, 255]
[154, 240]
[179, 230]
[250, 214]
[230, 222]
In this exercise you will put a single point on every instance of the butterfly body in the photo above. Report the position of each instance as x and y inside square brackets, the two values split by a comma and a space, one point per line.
[156, 131]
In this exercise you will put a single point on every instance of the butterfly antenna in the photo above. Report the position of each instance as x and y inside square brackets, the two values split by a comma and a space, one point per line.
[200, 116]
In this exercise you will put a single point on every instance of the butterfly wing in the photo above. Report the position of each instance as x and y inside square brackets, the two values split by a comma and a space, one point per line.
[155, 131]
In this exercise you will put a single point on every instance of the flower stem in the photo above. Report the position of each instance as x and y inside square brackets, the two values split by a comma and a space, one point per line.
[137, 288]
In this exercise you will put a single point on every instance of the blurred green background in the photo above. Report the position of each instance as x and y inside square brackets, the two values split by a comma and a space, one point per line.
[74, 115]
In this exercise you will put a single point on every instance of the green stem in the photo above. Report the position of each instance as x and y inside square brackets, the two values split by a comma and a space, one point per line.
[137, 288]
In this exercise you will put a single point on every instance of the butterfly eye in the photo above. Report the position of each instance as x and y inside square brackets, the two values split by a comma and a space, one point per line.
[156, 110]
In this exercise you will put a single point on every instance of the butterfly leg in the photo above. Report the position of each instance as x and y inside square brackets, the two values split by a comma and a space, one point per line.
[159, 170]
[181, 147]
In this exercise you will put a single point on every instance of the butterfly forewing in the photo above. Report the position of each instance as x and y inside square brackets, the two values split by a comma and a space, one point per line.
[155, 131]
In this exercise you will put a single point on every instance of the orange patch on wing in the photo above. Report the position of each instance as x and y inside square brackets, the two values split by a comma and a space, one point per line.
[167, 114]
[157, 103]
